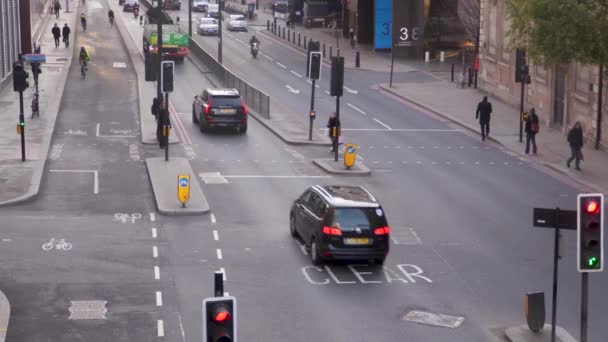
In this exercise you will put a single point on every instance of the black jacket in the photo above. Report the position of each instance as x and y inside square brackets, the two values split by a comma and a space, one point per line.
[484, 108]
[65, 32]
[575, 137]
[331, 123]
[533, 118]
[56, 32]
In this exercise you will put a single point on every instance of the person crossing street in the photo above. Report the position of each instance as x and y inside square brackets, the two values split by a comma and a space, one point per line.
[484, 109]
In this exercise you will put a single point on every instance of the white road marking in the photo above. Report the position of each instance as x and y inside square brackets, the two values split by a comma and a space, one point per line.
[219, 253]
[111, 136]
[276, 176]
[120, 65]
[302, 247]
[155, 252]
[159, 298]
[357, 109]
[292, 89]
[181, 326]
[156, 272]
[152, 217]
[398, 130]
[310, 82]
[223, 272]
[95, 177]
[281, 65]
[383, 124]
[154, 233]
[269, 58]
[216, 236]
[213, 218]
[295, 73]
[161, 328]
[350, 90]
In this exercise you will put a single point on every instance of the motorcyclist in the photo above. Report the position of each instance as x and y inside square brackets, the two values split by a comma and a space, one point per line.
[254, 39]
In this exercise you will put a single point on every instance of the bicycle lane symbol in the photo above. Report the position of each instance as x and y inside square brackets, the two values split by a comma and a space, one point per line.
[126, 218]
[57, 244]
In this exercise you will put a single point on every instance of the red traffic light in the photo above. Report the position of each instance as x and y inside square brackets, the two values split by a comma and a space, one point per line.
[592, 207]
[221, 316]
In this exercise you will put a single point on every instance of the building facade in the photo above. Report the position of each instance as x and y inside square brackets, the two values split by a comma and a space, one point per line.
[561, 95]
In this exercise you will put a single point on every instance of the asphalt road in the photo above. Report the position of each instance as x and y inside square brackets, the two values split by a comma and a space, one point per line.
[460, 212]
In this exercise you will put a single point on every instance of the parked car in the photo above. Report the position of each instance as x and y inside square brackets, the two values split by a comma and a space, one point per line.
[207, 26]
[213, 11]
[200, 5]
[237, 22]
[121, 2]
[219, 108]
[172, 4]
[340, 222]
[129, 5]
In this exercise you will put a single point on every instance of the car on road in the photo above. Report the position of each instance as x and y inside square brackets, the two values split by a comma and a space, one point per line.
[129, 5]
[213, 11]
[172, 4]
[200, 5]
[219, 108]
[338, 222]
[237, 22]
[207, 26]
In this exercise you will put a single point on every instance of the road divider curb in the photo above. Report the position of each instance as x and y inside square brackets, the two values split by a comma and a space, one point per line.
[331, 166]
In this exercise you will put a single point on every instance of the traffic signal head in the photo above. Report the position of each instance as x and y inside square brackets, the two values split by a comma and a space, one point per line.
[590, 226]
[315, 66]
[337, 76]
[520, 61]
[167, 76]
[219, 319]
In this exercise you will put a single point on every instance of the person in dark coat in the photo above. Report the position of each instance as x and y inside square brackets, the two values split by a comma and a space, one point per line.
[331, 124]
[575, 139]
[57, 7]
[163, 120]
[65, 33]
[56, 34]
[484, 109]
[155, 109]
[532, 127]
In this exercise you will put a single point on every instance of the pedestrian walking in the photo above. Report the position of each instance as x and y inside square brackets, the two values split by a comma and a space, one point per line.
[65, 32]
[163, 123]
[333, 124]
[484, 109]
[575, 139]
[56, 34]
[155, 109]
[57, 7]
[532, 127]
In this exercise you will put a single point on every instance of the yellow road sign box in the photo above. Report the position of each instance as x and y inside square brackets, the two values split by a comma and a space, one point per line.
[350, 155]
[183, 189]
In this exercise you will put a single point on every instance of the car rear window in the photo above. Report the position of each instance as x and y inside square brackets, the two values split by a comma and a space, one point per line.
[226, 101]
[359, 217]
[208, 21]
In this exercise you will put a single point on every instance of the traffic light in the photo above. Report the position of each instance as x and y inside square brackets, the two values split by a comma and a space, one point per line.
[167, 76]
[19, 77]
[520, 61]
[313, 46]
[590, 235]
[219, 319]
[337, 76]
[315, 66]
[151, 66]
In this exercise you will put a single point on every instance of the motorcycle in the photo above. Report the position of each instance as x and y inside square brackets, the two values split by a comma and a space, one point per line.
[254, 50]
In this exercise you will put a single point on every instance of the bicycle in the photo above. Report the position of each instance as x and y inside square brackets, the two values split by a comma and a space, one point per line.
[83, 69]
[35, 106]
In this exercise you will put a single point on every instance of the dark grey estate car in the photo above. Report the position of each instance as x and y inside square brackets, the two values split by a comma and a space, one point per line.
[340, 223]
[219, 108]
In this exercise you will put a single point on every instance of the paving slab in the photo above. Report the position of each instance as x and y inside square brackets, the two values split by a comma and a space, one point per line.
[331, 166]
[163, 176]
[522, 333]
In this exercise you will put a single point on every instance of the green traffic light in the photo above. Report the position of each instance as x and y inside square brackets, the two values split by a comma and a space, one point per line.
[593, 262]
[22, 123]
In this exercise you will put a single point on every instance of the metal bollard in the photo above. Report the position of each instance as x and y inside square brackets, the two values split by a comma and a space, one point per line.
[357, 60]
[330, 52]
[470, 77]
[267, 25]
[288, 35]
[476, 73]
[452, 72]
[305, 41]
[283, 32]
[298, 39]
[338, 52]
[293, 38]
[324, 50]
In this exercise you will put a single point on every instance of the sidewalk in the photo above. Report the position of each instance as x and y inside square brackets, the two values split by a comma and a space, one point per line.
[20, 181]
[458, 105]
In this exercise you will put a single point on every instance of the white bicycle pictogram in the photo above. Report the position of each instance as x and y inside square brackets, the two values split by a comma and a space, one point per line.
[124, 218]
[57, 244]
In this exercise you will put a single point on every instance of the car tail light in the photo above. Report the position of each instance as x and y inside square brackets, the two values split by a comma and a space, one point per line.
[183, 49]
[244, 107]
[332, 231]
[382, 230]
[208, 107]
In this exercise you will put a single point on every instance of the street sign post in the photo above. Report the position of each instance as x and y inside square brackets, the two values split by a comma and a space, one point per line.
[183, 189]
[33, 57]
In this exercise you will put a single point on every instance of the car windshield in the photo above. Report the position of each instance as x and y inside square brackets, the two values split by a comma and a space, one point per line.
[359, 217]
[208, 21]
[240, 17]
[226, 101]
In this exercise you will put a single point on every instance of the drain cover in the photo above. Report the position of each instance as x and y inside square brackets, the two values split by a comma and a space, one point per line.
[88, 309]
[430, 318]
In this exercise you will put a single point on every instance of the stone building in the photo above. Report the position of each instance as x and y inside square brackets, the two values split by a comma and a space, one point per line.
[560, 94]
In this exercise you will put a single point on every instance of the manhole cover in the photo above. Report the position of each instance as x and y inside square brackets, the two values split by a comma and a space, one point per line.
[88, 309]
[430, 318]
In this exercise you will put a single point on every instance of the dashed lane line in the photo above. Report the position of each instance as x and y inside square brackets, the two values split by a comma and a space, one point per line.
[156, 272]
[295, 73]
[356, 108]
[219, 253]
[223, 272]
[213, 220]
[159, 298]
[161, 328]
[281, 65]
[155, 252]
[216, 236]
[154, 234]
[383, 124]
[152, 217]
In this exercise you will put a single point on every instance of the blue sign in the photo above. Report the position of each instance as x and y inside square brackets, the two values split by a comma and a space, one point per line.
[351, 149]
[383, 24]
[30, 57]
[183, 182]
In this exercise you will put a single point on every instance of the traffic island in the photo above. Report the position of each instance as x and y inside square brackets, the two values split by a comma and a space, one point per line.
[329, 165]
[164, 178]
[522, 333]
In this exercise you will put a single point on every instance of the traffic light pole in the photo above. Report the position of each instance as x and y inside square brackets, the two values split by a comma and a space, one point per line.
[521, 110]
[22, 120]
[584, 304]
[219, 36]
[555, 260]
[190, 19]
[159, 51]
[219, 284]
[312, 109]
[337, 133]
[166, 127]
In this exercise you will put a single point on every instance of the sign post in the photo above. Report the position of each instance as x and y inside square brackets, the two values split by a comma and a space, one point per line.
[183, 189]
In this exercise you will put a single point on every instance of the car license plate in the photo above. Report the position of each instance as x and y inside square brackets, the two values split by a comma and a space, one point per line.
[356, 241]
[227, 111]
